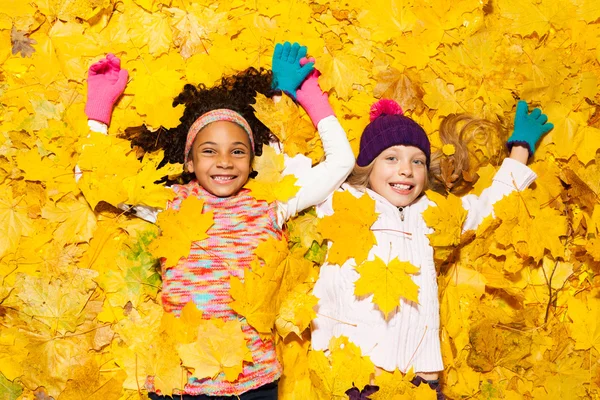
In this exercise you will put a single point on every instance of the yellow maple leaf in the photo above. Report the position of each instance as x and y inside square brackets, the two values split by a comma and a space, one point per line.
[295, 382]
[57, 304]
[423, 392]
[141, 189]
[343, 368]
[69, 10]
[105, 162]
[441, 96]
[143, 28]
[571, 135]
[354, 215]
[192, 26]
[275, 273]
[303, 229]
[296, 311]
[392, 384]
[281, 191]
[446, 218]
[402, 86]
[86, 378]
[221, 348]
[157, 359]
[254, 298]
[585, 329]
[110, 314]
[180, 228]
[154, 89]
[183, 329]
[270, 185]
[528, 227]
[463, 381]
[340, 72]
[14, 221]
[526, 17]
[399, 17]
[387, 282]
[76, 220]
[286, 121]
[12, 353]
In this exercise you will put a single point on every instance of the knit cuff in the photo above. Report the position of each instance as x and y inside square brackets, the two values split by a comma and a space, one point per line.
[515, 174]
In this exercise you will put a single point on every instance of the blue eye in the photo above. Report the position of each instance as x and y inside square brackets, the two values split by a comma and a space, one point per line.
[419, 162]
[391, 158]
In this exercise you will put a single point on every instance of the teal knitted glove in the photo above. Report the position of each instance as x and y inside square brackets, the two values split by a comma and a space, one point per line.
[529, 127]
[288, 74]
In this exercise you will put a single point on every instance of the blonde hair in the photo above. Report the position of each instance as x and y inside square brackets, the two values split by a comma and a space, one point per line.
[447, 173]
[455, 173]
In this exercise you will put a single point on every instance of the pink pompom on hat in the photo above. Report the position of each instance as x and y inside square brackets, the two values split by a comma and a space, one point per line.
[390, 127]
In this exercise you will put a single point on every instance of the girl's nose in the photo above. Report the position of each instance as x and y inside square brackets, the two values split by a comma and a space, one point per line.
[405, 168]
[224, 161]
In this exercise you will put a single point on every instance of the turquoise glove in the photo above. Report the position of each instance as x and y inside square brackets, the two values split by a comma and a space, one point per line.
[529, 127]
[288, 74]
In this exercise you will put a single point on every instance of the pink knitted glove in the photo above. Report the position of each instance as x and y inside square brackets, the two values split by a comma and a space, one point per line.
[311, 97]
[106, 82]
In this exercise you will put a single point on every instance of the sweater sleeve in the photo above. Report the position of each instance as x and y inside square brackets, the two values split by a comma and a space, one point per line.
[511, 176]
[319, 182]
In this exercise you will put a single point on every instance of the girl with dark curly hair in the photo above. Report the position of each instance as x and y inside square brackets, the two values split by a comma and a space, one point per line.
[236, 92]
[217, 140]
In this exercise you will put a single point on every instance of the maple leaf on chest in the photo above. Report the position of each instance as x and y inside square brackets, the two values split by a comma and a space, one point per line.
[270, 184]
[387, 282]
[349, 228]
[259, 294]
[221, 347]
[179, 229]
[296, 311]
[183, 329]
[446, 218]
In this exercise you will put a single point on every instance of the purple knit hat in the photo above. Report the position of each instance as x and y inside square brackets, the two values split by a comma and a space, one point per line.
[388, 128]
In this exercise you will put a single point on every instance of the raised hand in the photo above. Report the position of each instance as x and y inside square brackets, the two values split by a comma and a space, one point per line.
[288, 74]
[529, 127]
[106, 82]
[311, 97]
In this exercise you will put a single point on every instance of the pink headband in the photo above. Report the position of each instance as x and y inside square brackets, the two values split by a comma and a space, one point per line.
[221, 114]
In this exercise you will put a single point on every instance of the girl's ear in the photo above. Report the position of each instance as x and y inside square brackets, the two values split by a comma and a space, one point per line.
[190, 166]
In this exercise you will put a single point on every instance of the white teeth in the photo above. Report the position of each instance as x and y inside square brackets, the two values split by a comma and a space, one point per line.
[400, 186]
[223, 178]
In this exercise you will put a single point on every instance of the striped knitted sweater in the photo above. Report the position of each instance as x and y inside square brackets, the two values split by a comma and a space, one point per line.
[240, 223]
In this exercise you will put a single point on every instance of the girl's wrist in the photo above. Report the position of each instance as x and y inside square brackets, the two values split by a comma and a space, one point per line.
[519, 153]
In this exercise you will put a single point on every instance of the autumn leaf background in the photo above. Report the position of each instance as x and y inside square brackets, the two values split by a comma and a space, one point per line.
[80, 291]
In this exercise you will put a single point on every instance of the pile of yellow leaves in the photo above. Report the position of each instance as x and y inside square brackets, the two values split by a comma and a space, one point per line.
[80, 312]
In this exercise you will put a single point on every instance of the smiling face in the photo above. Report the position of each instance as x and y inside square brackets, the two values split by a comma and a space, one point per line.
[399, 174]
[220, 157]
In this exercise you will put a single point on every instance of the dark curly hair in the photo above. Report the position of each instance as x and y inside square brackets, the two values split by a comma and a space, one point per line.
[236, 92]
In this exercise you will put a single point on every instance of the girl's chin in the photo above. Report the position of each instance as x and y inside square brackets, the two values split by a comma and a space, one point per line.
[399, 200]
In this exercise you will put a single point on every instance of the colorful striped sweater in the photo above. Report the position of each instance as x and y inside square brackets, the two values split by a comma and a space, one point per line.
[240, 223]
